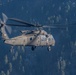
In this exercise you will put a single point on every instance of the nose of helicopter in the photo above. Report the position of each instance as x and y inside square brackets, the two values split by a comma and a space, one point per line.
[53, 40]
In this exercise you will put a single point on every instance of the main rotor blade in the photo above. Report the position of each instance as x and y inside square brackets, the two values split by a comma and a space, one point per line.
[23, 22]
[45, 26]
[59, 26]
[22, 25]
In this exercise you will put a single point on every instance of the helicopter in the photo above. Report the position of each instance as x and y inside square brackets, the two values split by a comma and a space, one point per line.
[32, 38]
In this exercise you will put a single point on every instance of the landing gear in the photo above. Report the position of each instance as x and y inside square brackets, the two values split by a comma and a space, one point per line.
[33, 48]
[49, 48]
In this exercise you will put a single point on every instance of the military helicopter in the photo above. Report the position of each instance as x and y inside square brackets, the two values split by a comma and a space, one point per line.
[33, 38]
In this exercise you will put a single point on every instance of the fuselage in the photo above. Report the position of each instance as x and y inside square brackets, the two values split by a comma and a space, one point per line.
[32, 40]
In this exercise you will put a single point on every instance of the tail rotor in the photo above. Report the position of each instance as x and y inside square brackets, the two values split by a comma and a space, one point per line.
[3, 23]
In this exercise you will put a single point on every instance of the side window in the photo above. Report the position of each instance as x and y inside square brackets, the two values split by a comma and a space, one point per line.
[47, 36]
[30, 38]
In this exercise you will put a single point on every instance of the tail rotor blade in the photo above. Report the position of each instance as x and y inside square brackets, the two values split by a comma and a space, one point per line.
[9, 29]
[1, 23]
[5, 18]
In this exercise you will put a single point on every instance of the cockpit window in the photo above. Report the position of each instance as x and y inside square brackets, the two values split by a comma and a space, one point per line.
[43, 38]
[49, 39]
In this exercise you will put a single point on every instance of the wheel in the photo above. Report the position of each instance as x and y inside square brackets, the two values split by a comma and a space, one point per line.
[33, 48]
[49, 48]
